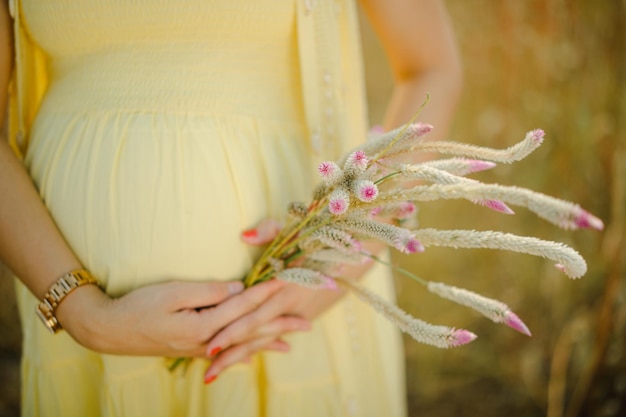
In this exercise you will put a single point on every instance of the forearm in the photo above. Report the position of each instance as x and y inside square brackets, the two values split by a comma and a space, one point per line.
[444, 88]
[30, 243]
[419, 43]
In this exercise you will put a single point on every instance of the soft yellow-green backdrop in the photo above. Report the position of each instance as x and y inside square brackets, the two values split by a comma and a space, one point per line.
[561, 66]
[555, 64]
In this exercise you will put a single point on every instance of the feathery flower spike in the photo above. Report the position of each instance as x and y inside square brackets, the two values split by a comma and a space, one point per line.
[459, 166]
[338, 257]
[439, 336]
[307, 278]
[339, 201]
[397, 237]
[330, 172]
[357, 161]
[494, 310]
[365, 190]
[334, 238]
[521, 150]
[568, 259]
[559, 212]
[394, 141]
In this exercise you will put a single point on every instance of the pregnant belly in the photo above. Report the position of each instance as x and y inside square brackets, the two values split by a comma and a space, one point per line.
[148, 197]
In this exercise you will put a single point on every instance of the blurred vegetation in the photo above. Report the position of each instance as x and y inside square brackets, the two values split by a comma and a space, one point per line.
[560, 66]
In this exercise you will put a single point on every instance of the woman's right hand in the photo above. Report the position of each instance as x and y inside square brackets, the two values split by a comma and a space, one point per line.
[175, 319]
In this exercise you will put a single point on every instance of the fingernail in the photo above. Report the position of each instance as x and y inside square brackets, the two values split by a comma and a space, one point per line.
[235, 287]
[215, 351]
[209, 379]
[250, 233]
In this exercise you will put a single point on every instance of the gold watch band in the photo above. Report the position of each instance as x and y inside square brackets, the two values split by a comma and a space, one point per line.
[57, 292]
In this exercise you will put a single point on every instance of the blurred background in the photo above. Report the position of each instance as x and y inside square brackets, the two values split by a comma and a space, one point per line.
[559, 65]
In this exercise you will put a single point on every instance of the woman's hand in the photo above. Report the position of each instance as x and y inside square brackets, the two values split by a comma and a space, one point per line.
[171, 319]
[263, 328]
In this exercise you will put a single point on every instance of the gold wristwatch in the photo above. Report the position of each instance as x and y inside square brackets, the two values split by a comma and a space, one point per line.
[57, 292]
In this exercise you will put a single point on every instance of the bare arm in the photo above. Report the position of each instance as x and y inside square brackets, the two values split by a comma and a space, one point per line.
[30, 244]
[419, 43]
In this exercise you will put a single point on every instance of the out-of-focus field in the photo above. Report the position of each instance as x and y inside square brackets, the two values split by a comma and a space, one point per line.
[561, 66]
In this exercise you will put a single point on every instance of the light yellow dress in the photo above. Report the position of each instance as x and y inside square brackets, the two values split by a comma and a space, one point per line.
[165, 128]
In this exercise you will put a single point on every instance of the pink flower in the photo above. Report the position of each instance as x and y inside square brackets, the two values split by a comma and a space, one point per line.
[405, 242]
[420, 129]
[586, 220]
[326, 168]
[537, 135]
[461, 337]
[358, 160]
[413, 246]
[496, 205]
[476, 165]
[513, 321]
[339, 201]
[329, 171]
[366, 191]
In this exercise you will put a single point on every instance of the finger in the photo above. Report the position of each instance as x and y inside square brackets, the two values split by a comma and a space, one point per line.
[252, 326]
[194, 295]
[278, 345]
[240, 353]
[263, 233]
[216, 318]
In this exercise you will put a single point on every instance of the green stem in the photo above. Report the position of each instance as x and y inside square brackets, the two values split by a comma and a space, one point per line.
[397, 268]
[386, 177]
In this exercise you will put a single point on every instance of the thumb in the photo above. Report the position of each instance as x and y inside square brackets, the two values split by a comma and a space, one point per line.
[196, 295]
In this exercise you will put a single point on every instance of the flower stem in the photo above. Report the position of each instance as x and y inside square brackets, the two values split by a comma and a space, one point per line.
[396, 268]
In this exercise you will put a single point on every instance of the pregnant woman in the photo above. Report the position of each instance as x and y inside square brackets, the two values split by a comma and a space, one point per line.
[149, 134]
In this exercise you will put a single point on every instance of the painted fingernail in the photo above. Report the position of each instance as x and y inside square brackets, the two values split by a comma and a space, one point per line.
[215, 351]
[209, 379]
[250, 233]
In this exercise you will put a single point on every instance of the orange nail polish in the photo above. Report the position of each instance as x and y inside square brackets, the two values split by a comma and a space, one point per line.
[250, 233]
[215, 351]
[209, 379]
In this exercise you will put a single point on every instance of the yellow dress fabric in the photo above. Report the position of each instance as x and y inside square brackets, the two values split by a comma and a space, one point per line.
[165, 128]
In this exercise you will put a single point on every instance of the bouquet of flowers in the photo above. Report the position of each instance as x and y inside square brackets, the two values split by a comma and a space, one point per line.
[365, 196]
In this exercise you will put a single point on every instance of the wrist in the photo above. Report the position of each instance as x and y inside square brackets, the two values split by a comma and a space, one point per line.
[81, 315]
